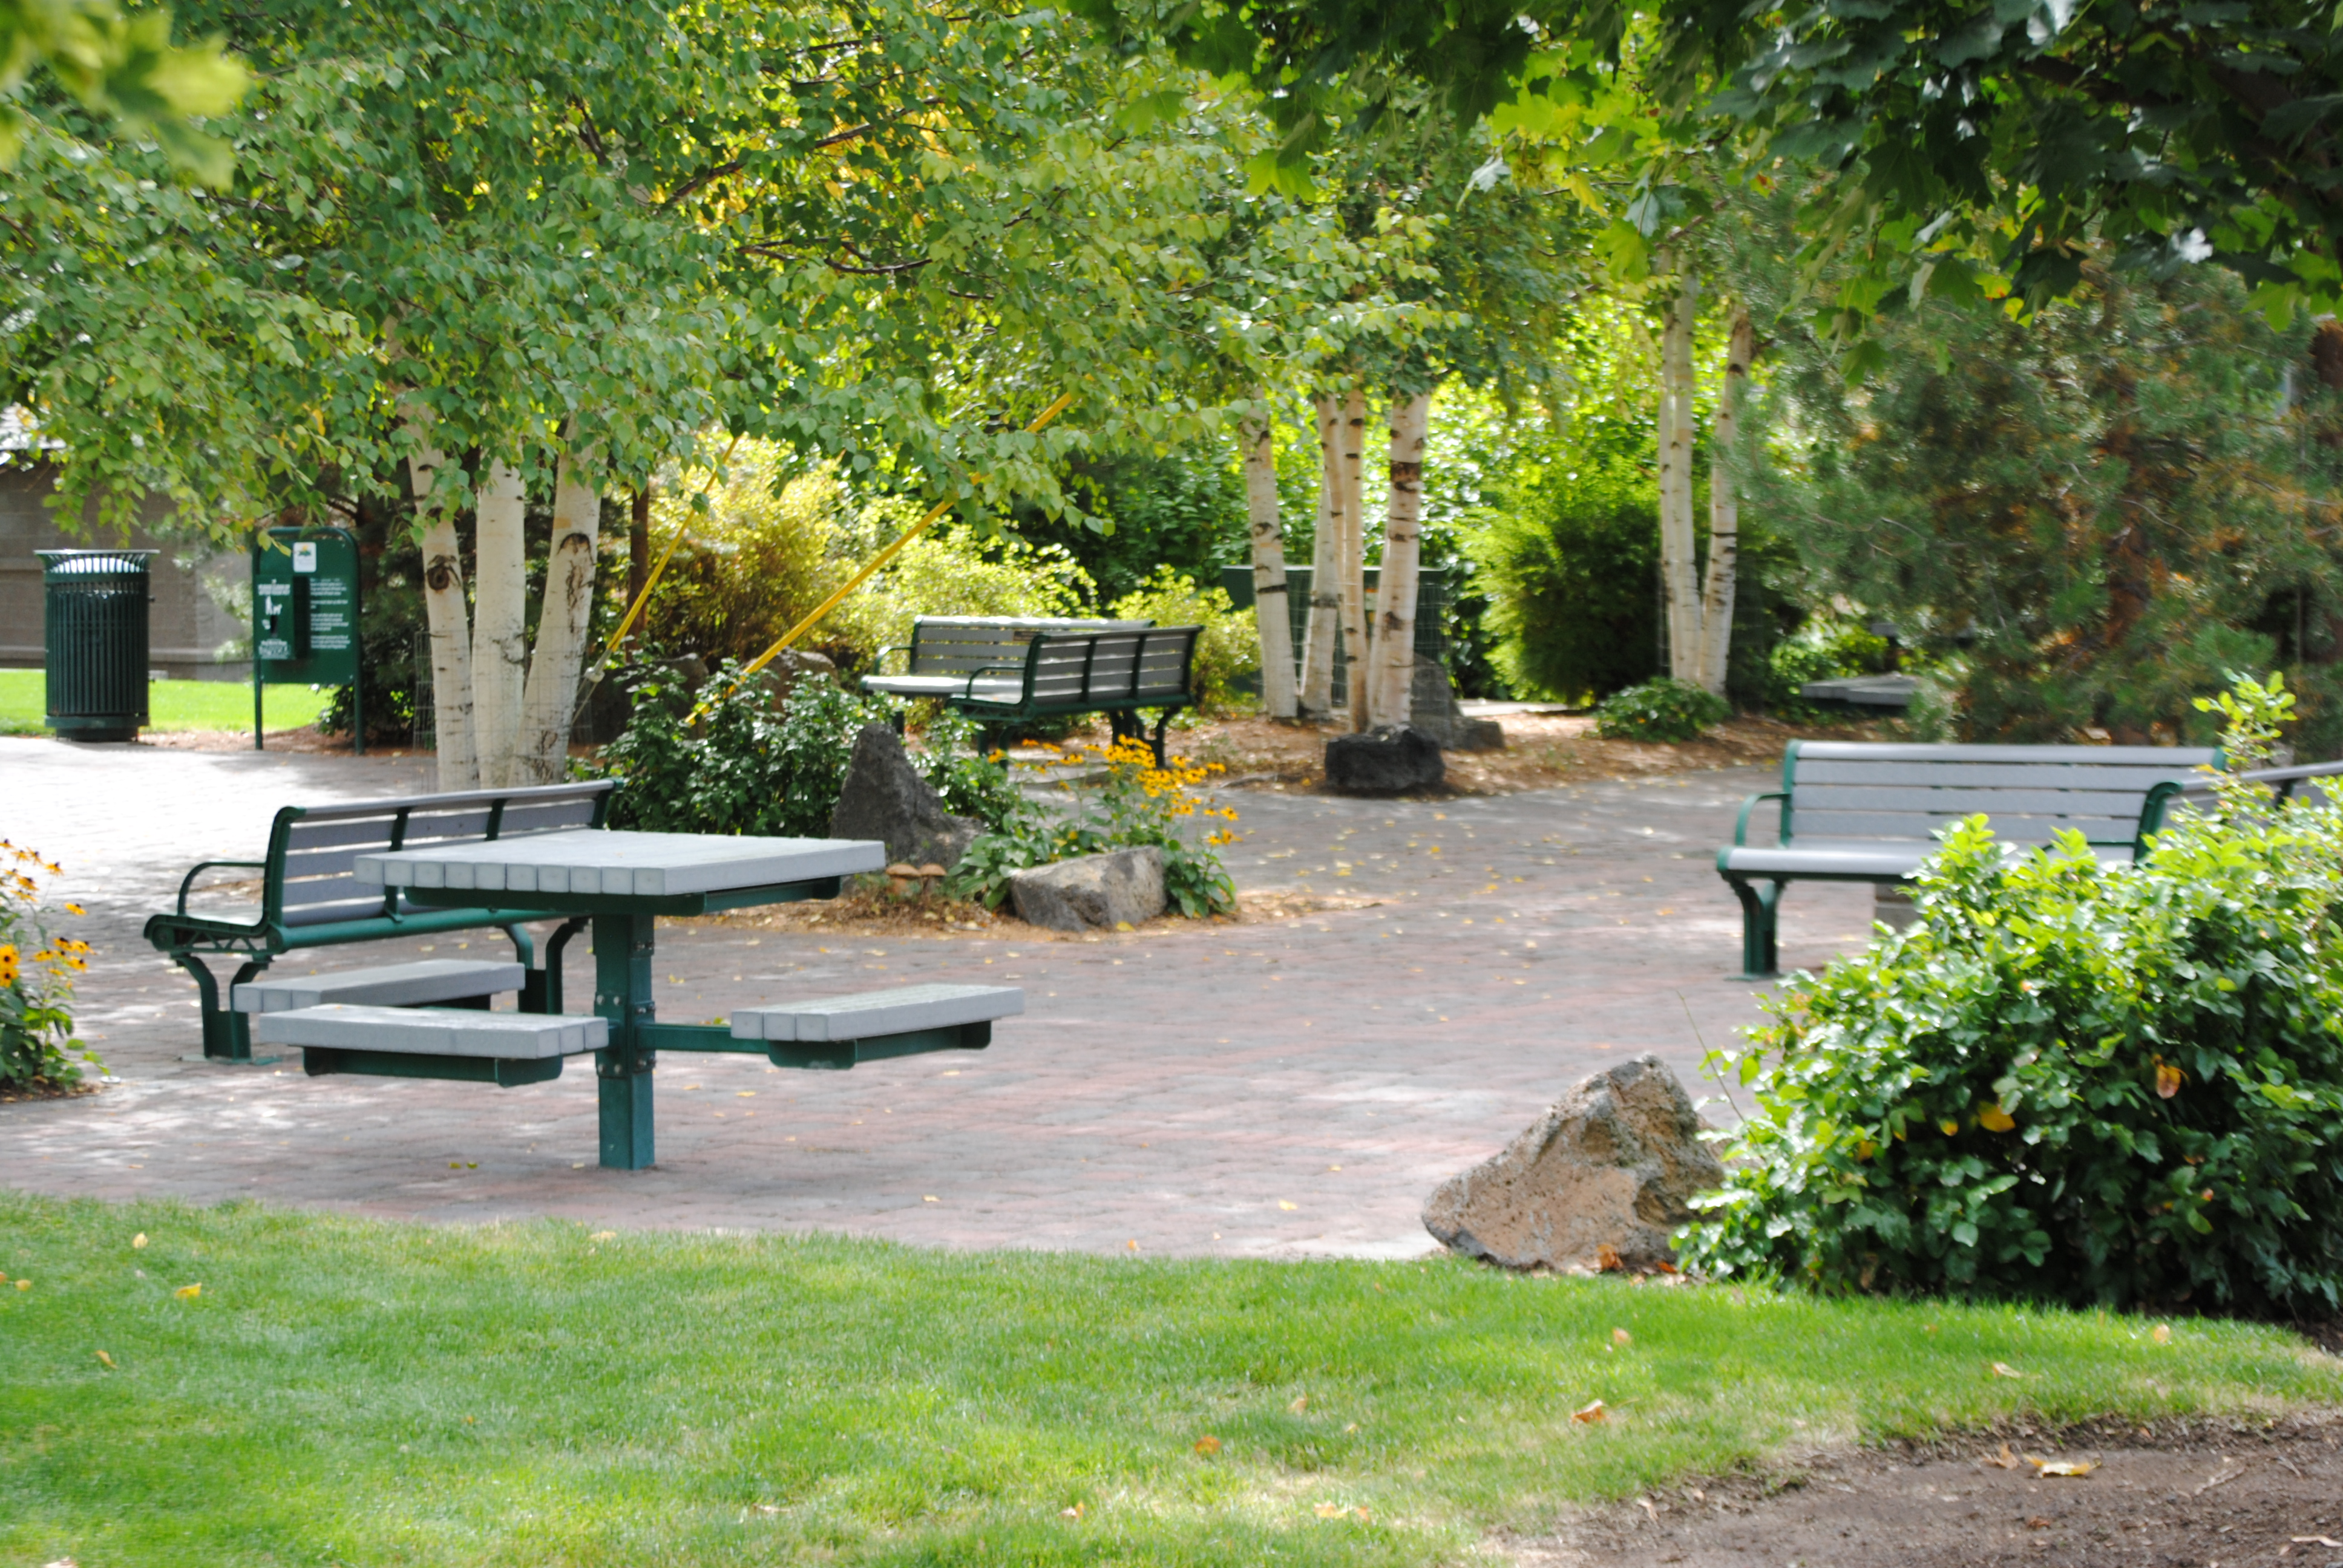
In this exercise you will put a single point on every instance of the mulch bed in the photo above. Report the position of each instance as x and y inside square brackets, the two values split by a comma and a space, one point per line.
[2185, 1492]
[43, 1088]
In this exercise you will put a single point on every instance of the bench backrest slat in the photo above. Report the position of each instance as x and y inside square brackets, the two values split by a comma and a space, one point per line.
[963, 644]
[1114, 667]
[1849, 789]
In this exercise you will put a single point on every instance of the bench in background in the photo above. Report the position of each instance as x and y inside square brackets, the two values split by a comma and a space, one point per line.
[1853, 811]
[308, 897]
[1116, 671]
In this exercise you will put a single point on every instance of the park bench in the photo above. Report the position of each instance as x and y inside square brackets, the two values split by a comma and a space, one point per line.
[1853, 811]
[1035, 671]
[308, 897]
[511, 1048]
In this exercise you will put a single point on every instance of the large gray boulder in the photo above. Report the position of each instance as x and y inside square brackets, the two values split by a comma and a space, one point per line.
[1431, 708]
[884, 797]
[1614, 1165]
[1091, 892]
[1389, 759]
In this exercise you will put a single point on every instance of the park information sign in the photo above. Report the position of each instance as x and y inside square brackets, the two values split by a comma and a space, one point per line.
[305, 615]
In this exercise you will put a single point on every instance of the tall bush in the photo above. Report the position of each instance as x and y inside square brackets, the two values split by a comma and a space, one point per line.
[2070, 1081]
[1571, 565]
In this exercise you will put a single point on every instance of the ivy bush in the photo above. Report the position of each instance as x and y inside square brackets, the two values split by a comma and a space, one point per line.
[37, 1048]
[1661, 709]
[2068, 1082]
[1136, 804]
[729, 759]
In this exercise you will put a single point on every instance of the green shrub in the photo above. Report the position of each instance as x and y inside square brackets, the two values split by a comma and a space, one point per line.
[1571, 565]
[1136, 804]
[1662, 708]
[37, 1048]
[728, 759]
[2067, 1081]
[1228, 649]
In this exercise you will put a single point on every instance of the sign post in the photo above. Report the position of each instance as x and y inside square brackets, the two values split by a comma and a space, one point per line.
[305, 617]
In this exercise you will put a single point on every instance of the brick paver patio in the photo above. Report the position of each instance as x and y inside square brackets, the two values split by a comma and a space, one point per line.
[1280, 1089]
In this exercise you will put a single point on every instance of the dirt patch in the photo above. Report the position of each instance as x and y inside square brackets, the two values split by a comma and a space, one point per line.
[864, 913]
[43, 1089]
[1541, 751]
[2192, 1492]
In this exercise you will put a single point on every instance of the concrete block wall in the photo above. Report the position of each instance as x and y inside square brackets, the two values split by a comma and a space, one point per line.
[187, 628]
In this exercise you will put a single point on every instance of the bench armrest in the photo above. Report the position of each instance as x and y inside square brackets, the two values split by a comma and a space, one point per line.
[212, 864]
[878, 659]
[1741, 825]
[968, 687]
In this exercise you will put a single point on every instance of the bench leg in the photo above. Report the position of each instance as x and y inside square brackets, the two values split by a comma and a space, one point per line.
[1760, 929]
[623, 1071]
[540, 990]
[227, 1035]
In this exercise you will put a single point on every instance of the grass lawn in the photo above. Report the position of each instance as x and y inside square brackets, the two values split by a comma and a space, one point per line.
[170, 704]
[347, 1392]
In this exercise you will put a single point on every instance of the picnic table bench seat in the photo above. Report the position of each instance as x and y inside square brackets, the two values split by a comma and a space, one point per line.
[506, 1048]
[310, 896]
[871, 1026]
[1860, 812]
[1004, 671]
[427, 982]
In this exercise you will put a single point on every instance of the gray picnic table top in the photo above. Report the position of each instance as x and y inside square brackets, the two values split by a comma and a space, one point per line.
[619, 865]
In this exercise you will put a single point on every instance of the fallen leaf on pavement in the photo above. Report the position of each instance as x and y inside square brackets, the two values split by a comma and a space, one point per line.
[2061, 1466]
[189, 1292]
[1287, 1207]
[2315, 1540]
[2005, 1460]
[1591, 1414]
[2003, 1369]
[2037, 1523]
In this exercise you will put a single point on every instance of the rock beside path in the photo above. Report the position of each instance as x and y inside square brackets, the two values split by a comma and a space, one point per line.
[1431, 708]
[1612, 1166]
[884, 797]
[1092, 893]
[1389, 759]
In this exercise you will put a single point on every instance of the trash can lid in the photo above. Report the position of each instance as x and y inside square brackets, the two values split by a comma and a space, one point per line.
[95, 563]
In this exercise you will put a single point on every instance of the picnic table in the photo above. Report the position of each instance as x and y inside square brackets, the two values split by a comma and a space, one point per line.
[621, 882]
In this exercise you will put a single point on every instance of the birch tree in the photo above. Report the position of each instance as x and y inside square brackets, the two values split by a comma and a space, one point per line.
[1725, 503]
[1271, 618]
[1679, 579]
[1351, 434]
[1324, 621]
[1394, 661]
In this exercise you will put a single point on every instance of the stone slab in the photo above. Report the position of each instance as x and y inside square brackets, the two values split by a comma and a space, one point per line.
[435, 1031]
[417, 984]
[601, 861]
[866, 1014]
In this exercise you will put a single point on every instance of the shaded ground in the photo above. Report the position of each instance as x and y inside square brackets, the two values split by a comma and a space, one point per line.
[2200, 1494]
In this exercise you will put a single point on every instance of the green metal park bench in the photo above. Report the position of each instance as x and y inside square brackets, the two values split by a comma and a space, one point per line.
[308, 898]
[1853, 811]
[1004, 672]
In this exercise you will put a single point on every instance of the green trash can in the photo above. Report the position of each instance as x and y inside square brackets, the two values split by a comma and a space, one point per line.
[93, 625]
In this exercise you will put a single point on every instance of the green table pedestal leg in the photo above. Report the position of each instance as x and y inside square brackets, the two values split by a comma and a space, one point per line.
[622, 993]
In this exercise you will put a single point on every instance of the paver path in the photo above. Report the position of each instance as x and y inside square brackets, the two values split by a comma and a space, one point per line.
[1287, 1088]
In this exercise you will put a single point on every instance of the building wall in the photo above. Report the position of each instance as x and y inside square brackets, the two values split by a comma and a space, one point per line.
[187, 628]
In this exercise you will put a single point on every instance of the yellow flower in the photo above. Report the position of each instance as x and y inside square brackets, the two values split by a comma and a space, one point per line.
[8, 963]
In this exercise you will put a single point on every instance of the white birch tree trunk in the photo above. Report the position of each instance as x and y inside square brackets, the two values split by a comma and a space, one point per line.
[445, 615]
[1325, 554]
[1271, 618]
[1352, 437]
[550, 701]
[499, 625]
[1678, 563]
[1393, 661]
[1725, 507]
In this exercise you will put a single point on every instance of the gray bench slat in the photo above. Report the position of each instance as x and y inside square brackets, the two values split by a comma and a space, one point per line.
[1987, 775]
[1915, 826]
[305, 837]
[2178, 757]
[1951, 796]
[1861, 861]
[325, 913]
[864, 1014]
[413, 984]
[435, 1031]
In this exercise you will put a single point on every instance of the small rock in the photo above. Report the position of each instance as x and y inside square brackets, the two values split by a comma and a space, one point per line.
[1431, 708]
[884, 797]
[1091, 892]
[1610, 1167]
[1386, 760]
